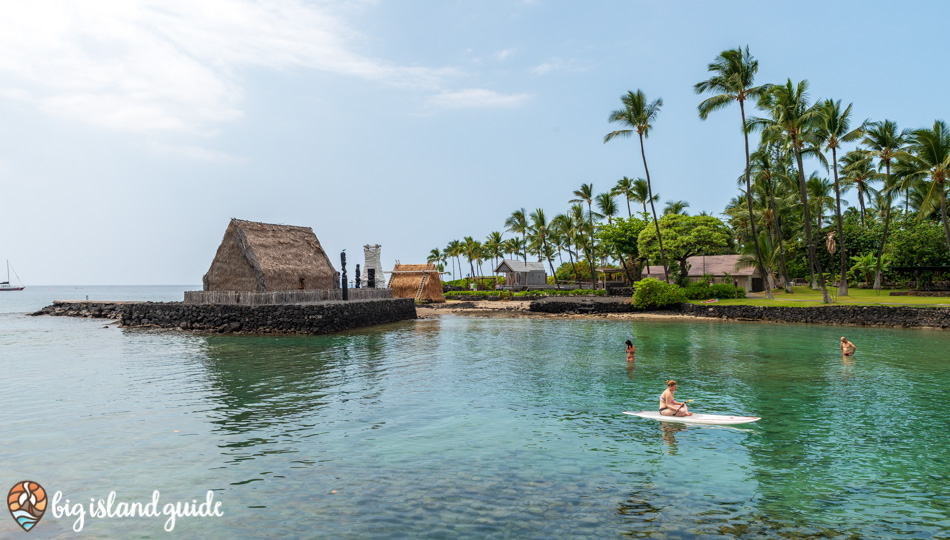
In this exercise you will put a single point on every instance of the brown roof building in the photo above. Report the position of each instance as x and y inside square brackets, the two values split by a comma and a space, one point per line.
[718, 266]
[417, 281]
[262, 257]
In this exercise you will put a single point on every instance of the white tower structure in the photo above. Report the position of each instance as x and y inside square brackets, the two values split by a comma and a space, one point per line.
[371, 258]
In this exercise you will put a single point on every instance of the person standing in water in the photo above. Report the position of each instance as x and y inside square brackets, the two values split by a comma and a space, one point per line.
[847, 348]
[668, 405]
[630, 350]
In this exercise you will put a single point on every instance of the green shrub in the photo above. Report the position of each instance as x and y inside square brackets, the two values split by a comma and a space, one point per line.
[573, 292]
[652, 293]
[724, 290]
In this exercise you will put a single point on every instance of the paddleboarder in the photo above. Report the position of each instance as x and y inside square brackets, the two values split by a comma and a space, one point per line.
[668, 405]
[630, 350]
[847, 348]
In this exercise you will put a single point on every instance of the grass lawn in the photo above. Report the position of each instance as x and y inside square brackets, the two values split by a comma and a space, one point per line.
[805, 297]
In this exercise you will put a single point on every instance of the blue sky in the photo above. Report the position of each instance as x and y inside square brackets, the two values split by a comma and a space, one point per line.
[131, 132]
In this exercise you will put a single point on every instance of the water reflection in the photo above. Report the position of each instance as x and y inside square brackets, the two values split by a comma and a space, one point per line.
[669, 431]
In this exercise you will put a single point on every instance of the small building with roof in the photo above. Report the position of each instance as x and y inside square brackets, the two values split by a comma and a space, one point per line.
[264, 257]
[521, 275]
[719, 267]
[420, 282]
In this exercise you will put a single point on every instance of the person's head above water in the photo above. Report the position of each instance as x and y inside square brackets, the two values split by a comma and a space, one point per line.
[629, 343]
[671, 382]
[843, 339]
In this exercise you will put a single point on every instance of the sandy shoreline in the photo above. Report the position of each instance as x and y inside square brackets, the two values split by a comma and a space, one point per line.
[518, 309]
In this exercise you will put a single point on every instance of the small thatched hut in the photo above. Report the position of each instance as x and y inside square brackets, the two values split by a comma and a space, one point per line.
[261, 257]
[417, 281]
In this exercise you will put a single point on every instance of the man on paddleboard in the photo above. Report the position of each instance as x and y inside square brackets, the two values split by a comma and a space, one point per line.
[668, 405]
[847, 348]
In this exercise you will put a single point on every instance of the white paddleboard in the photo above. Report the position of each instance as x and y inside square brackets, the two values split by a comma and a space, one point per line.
[717, 419]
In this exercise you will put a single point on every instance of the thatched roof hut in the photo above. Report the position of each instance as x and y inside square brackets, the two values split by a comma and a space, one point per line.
[417, 281]
[262, 257]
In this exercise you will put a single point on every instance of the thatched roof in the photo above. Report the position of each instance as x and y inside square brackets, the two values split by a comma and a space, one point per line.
[715, 265]
[264, 257]
[406, 279]
[509, 265]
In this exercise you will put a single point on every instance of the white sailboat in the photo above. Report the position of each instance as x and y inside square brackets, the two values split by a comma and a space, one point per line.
[6, 285]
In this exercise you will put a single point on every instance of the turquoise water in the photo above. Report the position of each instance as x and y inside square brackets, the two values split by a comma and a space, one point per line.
[478, 428]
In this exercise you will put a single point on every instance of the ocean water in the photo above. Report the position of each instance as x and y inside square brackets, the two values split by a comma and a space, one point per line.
[474, 428]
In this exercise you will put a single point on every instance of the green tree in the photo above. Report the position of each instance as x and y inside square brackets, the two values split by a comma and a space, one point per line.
[687, 236]
[586, 195]
[885, 143]
[733, 80]
[641, 193]
[624, 188]
[493, 245]
[929, 160]
[834, 128]
[675, 207]
[622, 237]
[639, 116]
[859, 172]
[517, 223]
[539, 231]
[454, 249]
[792, 120]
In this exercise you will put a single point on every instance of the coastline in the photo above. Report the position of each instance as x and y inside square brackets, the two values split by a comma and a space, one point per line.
[521, 309]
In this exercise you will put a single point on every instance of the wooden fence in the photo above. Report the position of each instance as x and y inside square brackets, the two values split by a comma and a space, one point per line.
[283, 297]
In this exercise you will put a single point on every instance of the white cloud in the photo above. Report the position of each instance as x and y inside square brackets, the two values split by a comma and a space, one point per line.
[557, 64]
[503, 55]
[169, 66]
[478, 97]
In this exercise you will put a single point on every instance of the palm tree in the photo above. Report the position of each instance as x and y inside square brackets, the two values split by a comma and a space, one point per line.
[833, 129]
[638, 116]
[472, 249]
[539, 230]
[562, 226]
[624, 187]
[607, 206]
[675, 207]
[586, 194]
[493, 244]
[859, 171]
[819, 197]
[930, 160]
[769, 164]
[792, 120]
[517, 223]
[733, 78]
[885, 144]
[641, 193]
[454, 249]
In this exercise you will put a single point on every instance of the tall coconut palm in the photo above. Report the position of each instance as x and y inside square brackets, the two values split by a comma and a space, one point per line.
[859, 172]
[607, 206]
[638, 115]
[675, 207]
[454, 249]
[819, 198]
[929, 160]
[792, 120]
[472, 250]
[770, 165]
[586, 195]
[517, 223]
[539, 230]
[733, 81]
[834, 128]
[624, 187]
[641, 193]
[563, 227]
[493, 244]
[885, 143]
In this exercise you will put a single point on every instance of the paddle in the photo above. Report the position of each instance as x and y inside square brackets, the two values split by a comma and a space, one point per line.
[681, 406]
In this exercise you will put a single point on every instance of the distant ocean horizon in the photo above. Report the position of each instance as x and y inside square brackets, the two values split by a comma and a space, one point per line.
[35, 297]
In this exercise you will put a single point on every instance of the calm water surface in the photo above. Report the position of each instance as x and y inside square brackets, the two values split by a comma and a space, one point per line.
[479, 428]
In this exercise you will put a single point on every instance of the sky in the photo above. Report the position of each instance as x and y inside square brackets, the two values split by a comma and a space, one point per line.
[131, 132]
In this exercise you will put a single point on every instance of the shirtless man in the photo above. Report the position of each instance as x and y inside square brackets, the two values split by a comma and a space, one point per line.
[847, 348]
[668, 405]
